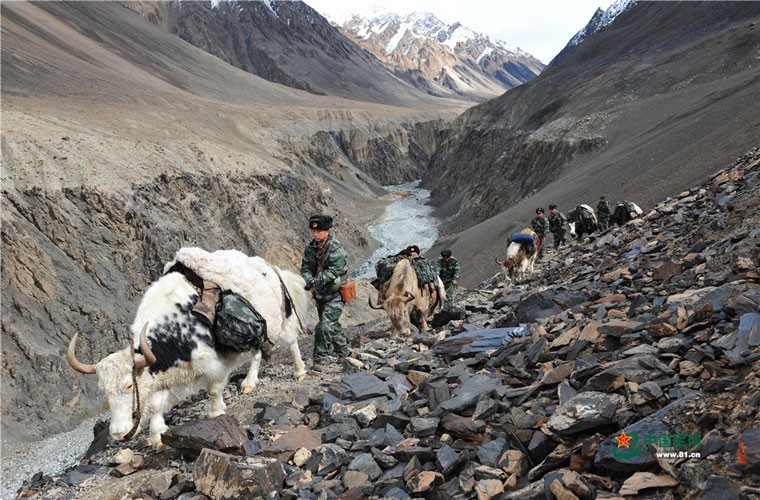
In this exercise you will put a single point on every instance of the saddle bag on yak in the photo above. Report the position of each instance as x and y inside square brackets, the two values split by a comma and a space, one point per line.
[426, 271]
[238, 325]
[522, 239]
[385, 266]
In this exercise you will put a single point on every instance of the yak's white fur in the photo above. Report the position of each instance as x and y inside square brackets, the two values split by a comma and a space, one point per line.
[257, 281]
[251, 277]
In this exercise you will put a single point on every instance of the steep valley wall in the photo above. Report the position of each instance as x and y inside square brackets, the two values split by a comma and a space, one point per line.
[84, 232]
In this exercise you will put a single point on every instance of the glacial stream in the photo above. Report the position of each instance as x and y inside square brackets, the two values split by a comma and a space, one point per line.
[407, 221]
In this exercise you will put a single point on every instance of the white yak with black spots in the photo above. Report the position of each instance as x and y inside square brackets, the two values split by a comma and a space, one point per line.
[175, 353]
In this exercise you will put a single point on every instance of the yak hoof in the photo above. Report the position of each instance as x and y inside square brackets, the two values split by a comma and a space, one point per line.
[300, 377]
[247, 390]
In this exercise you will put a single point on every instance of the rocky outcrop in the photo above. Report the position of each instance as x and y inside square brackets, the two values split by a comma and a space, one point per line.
[525, 164]
[386, 154]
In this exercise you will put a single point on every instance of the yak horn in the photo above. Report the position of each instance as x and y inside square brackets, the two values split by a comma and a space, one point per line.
[74, 362]
[369, 301]
[149, 357]
[498, 261]
[409, 297]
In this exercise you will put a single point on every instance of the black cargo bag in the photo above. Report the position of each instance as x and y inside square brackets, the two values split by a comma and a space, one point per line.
[238, 325]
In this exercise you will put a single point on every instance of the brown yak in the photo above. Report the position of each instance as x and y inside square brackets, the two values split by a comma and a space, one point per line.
[407, 303]
[521, 254]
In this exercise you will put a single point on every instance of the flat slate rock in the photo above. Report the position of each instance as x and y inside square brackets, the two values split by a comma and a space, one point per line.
[638, 455]
[359, 386]
[583, 411]
[473, 342]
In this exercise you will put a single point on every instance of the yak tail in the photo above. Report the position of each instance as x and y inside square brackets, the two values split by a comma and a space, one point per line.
[296, 299]
[371, 305]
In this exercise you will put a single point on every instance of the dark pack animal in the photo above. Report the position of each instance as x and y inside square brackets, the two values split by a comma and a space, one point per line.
[625, 211]
[582, 220]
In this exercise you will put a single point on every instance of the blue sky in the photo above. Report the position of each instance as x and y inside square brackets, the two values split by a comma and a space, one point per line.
[539, 27]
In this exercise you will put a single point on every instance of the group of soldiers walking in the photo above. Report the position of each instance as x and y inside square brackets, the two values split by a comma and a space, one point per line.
[324, 270]
[556, 223]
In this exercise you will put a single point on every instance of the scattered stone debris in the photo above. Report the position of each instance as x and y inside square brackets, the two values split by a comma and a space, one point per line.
[628, 366]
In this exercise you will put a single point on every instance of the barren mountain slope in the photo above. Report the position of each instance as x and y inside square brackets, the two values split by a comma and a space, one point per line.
[286, 42]
[122, 143]
[639, 111]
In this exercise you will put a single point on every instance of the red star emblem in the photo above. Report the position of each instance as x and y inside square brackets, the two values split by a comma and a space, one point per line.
[622, 440]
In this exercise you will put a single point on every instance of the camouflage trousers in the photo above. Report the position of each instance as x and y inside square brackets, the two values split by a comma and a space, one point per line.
[329, 336]
[559, 238]
[604, 223]
[448, 304]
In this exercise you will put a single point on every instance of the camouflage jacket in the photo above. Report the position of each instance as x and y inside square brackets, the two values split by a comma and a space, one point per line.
[540, 226]
[331, 273]
[448, 271]
[557, 222]
[603, 209]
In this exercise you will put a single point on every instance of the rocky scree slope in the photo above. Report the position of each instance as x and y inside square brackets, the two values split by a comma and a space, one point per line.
[651, 329]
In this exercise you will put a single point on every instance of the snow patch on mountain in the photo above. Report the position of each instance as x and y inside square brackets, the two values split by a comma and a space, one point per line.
[600, 20]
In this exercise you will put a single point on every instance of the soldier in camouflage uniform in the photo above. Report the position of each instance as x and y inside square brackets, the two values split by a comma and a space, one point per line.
[448, 271]
[603, 213]
[324, 269]
[540, 226]
[557, 224]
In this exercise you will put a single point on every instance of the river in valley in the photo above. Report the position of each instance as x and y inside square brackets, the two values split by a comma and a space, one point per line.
[408, 220]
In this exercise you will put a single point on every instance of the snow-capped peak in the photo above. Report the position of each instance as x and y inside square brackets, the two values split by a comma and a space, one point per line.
[601, 19]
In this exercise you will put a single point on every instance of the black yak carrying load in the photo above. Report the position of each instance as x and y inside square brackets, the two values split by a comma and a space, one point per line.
[625, 211]
[582, 220]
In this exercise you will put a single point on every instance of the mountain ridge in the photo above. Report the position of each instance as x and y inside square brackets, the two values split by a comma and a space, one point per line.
[442, 59]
